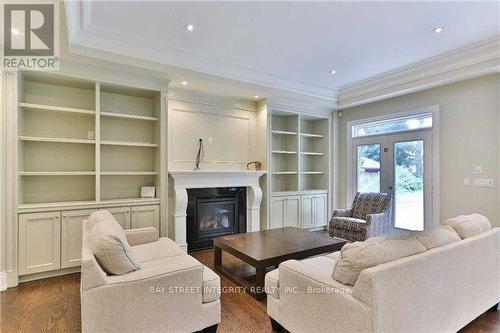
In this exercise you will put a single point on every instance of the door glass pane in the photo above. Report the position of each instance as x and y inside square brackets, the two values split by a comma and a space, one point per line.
[409, 184]
[368, 168]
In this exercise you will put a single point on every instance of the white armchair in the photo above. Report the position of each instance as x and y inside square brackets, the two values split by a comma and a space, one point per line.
[173, 292]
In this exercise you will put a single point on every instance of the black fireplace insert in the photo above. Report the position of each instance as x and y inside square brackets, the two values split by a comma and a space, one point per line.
[214, 212]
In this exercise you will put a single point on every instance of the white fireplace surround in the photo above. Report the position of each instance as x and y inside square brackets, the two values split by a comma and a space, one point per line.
[184, 179]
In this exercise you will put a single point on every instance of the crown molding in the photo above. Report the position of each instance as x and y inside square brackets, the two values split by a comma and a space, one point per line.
[301, 105]
[191, 96]
[88, 40]
[468, 62]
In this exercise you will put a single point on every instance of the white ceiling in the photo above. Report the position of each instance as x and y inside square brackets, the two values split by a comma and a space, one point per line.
[289, 44]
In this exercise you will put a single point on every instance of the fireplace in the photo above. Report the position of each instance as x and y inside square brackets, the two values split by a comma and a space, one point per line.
[214, 212]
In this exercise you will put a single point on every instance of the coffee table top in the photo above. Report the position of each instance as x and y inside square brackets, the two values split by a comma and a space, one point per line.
[274, 246]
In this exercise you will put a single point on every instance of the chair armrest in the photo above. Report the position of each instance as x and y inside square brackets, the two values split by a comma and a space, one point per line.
[141, 235]
[378, 224]
[158, 293]
[342, 212]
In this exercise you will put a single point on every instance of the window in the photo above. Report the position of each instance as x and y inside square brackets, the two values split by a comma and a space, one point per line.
[401, 124]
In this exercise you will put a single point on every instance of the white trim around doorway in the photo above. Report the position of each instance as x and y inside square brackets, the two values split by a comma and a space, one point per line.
[434, 110]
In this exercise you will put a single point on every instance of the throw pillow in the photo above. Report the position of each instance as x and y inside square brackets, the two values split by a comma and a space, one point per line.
[438, 236]
[357, 256]
[469, 225]
[111, 249]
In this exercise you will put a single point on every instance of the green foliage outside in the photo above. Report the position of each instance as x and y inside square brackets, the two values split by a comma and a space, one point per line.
[409, 167]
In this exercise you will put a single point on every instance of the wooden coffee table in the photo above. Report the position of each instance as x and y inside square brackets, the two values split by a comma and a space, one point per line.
[269, 248]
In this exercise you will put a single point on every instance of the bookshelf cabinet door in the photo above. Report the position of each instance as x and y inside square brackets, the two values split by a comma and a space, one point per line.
[307, 208]
[122, 215]
[319, 203]
[146, 216]
[39, 242]
[71, 236]
[277, 213]
[292, 212]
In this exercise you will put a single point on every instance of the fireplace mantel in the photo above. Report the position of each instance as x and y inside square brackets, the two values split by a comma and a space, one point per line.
[184, 179]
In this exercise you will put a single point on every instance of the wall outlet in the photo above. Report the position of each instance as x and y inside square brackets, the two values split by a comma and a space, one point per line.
[210, 140]
[484, 182]
[467, 182]
[478, 169]
[90, 135]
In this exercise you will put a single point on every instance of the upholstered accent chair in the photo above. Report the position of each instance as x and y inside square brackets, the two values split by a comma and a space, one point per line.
[369, 216]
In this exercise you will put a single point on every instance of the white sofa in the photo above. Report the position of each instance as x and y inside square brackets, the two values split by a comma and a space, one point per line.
[173, 292]
[439, 290]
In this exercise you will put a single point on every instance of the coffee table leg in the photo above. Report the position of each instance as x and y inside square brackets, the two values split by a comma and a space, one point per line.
[217, 257]
[260, 274]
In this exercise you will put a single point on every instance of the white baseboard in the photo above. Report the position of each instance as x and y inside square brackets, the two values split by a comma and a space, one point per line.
[45, 275]
[3, 281]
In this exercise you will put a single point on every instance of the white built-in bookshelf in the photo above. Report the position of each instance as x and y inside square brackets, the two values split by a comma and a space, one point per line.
[299, 152]
[85, 141]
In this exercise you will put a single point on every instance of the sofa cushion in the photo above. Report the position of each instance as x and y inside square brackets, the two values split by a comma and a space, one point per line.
[334, 255]
[321, 264]
[469, 225]
[163, 247]
[211, 285]
[210, 280]
[357, 256]
[110, 247]
[348, 223]
[438, 236]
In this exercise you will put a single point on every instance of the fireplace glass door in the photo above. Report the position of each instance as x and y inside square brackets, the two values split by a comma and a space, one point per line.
[214, 212]
[216, 216]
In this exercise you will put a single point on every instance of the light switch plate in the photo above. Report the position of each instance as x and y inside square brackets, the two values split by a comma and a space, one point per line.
[467, 182]
[210, 140]
[484, 182]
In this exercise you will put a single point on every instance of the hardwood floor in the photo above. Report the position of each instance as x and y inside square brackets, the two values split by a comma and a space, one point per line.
[53, 305]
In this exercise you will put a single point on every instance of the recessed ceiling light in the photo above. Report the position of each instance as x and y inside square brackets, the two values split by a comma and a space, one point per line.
[189, 27]
[333, 71]
[438, 30]
[256, 96]
[184, 83]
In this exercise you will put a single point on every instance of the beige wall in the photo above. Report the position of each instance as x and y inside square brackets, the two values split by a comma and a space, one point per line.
[469, 136]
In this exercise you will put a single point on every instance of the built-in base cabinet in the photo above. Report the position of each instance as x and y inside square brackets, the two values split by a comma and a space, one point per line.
[121, 215]
[71, 236]
[301, 211]
[53, 240]
[285, 212]
[314, 210]
[39, 242]
[145, 216]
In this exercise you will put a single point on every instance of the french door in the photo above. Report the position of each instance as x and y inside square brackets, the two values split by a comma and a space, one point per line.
[399, 164]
